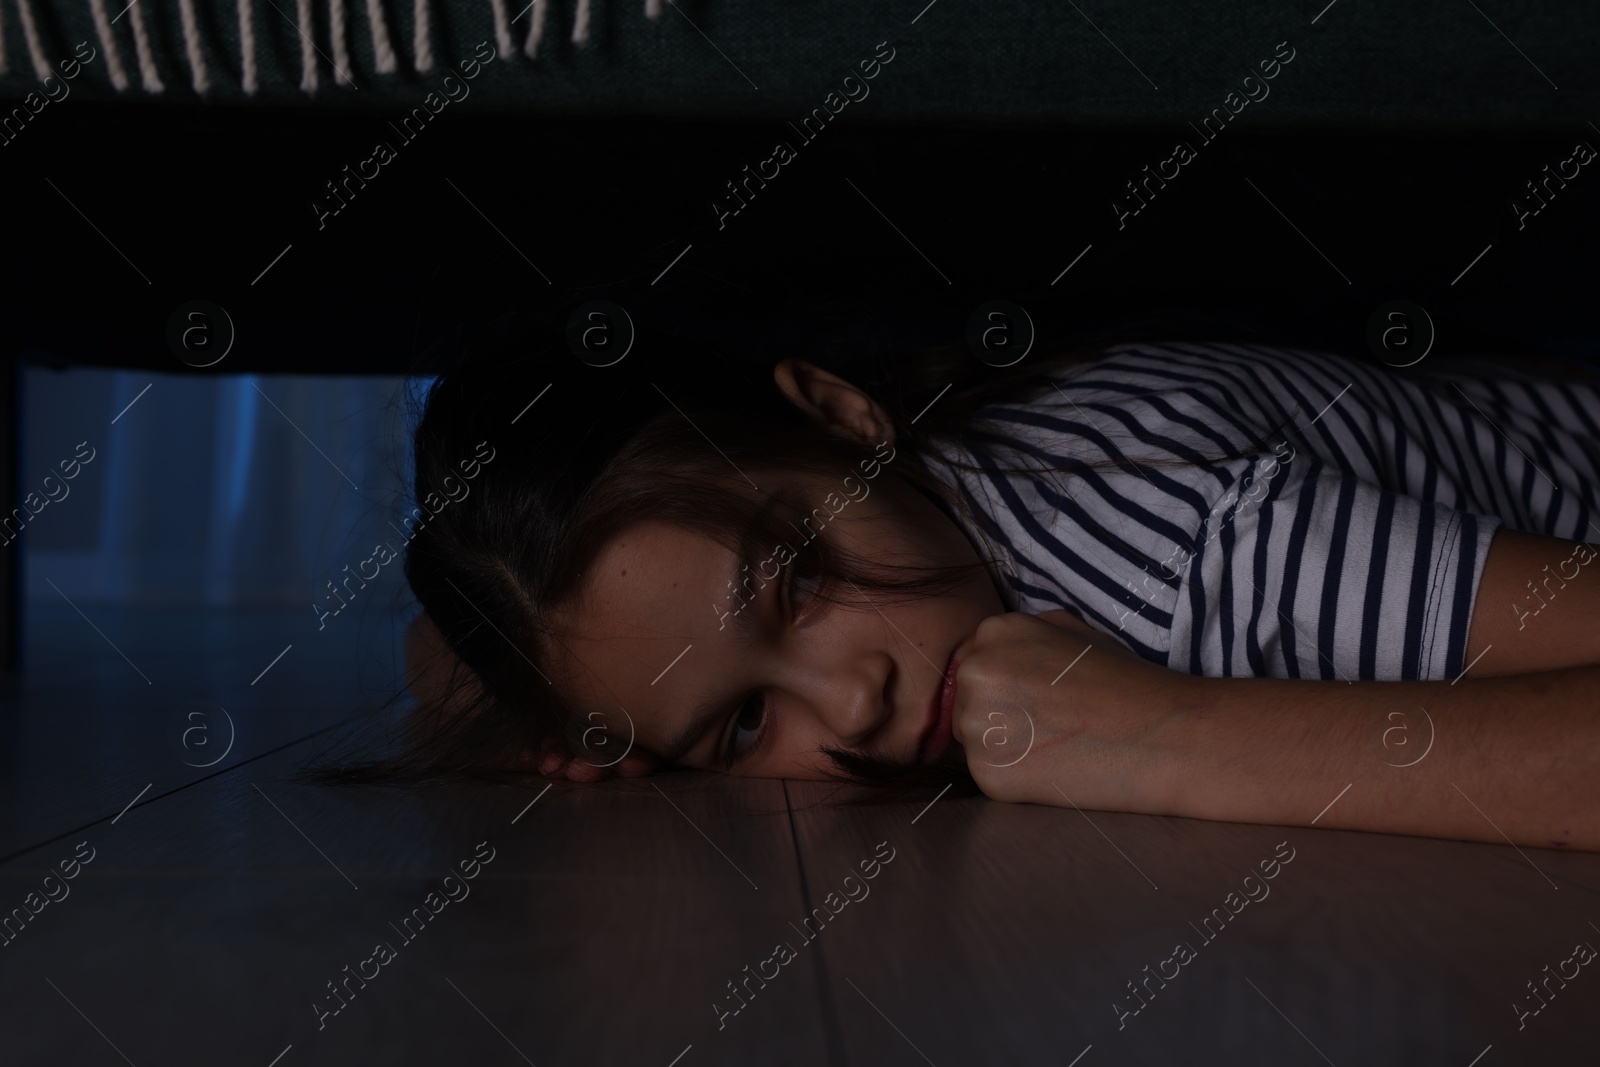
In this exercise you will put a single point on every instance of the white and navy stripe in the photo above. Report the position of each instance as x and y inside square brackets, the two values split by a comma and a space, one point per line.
[1354, 556]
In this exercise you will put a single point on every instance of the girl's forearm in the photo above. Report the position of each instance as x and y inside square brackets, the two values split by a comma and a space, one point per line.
[1507, 758]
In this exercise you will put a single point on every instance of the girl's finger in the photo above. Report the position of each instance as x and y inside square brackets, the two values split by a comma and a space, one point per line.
[583, 771]
[635, 766]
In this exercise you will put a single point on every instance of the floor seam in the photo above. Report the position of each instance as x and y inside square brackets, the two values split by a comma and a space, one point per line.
[832, 1032]
[178, 789]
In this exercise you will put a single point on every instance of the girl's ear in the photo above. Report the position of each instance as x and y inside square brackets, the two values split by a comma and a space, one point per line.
[830, 401]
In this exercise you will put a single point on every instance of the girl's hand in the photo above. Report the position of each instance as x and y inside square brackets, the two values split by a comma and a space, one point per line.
[554, 761]
[1117, 733]
[1052, 711]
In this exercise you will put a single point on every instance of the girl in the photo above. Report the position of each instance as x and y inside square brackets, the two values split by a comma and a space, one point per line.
[1211, 580]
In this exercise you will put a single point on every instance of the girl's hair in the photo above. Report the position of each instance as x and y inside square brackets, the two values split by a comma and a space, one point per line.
[528, 459]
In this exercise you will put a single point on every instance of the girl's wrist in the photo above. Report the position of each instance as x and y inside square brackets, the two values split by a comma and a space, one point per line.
[1237, 750]
[1186, 768]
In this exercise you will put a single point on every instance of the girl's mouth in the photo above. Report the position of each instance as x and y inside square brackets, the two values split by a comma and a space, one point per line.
[936, 736]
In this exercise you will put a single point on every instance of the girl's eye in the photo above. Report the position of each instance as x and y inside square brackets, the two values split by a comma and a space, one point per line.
[748, 726]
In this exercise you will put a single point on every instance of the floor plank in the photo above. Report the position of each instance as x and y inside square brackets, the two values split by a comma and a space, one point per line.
[82, 733]
[603, 929]
[1010, 933]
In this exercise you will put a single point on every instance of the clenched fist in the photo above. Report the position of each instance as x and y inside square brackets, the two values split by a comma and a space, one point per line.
[1051, 711]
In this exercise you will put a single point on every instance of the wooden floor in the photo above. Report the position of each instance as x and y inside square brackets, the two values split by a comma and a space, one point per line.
[604, 925]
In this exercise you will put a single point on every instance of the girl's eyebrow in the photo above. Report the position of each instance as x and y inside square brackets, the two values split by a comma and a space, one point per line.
[705, 714]
[744, 560]
[741, 560]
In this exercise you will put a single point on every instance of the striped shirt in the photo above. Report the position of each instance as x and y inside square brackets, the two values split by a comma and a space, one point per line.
[1345, 541]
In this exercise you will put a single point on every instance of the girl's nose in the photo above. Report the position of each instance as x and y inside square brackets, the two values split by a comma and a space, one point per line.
[856, 703]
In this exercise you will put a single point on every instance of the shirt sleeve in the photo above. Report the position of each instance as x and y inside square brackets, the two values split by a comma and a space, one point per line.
[1302, 569]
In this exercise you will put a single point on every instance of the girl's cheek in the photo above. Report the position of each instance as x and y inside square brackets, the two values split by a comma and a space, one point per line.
[792, 753]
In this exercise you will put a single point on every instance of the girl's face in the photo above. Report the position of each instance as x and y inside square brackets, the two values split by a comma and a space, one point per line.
[657, 629]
